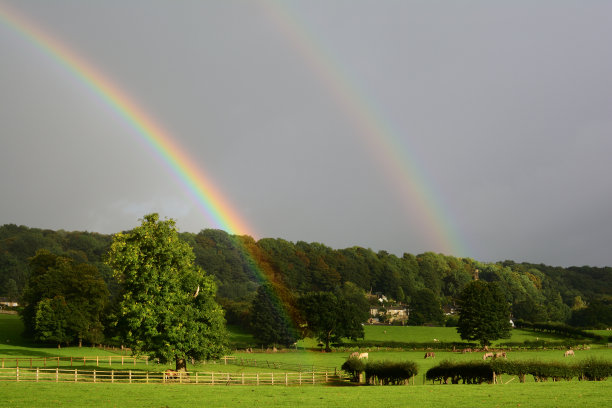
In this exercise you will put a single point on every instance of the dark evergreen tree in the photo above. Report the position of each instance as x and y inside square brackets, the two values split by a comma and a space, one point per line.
[270, 322]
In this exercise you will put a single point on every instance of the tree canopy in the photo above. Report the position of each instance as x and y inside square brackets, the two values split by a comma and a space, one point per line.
[484, 315]
[167, 307]
[64, 300]
[331, 316]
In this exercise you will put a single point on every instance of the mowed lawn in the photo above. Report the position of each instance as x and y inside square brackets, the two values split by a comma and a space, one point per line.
[532, 395]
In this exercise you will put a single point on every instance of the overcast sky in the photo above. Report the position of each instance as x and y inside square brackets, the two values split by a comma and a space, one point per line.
[304, 113]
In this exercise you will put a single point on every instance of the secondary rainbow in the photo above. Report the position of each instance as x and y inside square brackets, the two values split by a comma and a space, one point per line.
[206, 194]
[401, 166]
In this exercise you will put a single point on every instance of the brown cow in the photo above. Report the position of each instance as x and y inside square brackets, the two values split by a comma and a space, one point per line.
[487, 355]
[171, 375]
[430, 354]
[500, 354]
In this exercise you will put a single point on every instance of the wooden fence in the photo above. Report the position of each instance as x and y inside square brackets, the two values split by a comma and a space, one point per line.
[123, 376]
[277, 365]
[44, 362]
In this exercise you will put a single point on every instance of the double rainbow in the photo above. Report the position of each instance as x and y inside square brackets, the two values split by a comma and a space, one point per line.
[395, 158]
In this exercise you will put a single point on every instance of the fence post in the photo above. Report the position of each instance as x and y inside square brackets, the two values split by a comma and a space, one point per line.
[286, 379]
[300, 380]
[313, 379]
[121, 359]
[212, 378]
[97, 361]
[36, 374]
[110, 361]
[70, 361]
[94, 376]
[147, 376]
[257, 378]
[17, 373]
[112, 376]
[196, 377]
[243, 378]
[75, 375]
[134, 361]
[130, 374]
[17, 362]
[147, 360]
[57, 375]
[325, 375]
[272, 378]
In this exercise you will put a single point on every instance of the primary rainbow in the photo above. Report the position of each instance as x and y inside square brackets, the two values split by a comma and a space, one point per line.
[207, 196]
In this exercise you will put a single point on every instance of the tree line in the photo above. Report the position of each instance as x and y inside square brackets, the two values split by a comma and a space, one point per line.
[275, 277]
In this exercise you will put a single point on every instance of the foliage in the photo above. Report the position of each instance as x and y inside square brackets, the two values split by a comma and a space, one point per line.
[591, 369]
[425, 308]
[483, 313]
[331, 316]
[64, 300]
[536, 292]
[354, 366]
[270, 322]
[472, 372]
[167, 307]
[390, 372]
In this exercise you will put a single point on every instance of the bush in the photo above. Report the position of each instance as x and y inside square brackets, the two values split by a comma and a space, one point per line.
[473, 372]
[353, 367]
[390, 372]
[593, 369]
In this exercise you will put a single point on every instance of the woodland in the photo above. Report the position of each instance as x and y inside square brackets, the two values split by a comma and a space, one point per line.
[428, 284]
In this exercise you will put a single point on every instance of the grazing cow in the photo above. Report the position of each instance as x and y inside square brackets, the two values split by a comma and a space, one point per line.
[430, 354]
[171, 375]
[436, 340]
[487, 355]
[354, 354]
[466, 350]
[500, 355]
[363, 355]
[569, 353]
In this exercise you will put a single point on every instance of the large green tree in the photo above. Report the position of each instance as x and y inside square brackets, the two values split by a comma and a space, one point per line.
[167, 309]
[484, 314]
[331, 316]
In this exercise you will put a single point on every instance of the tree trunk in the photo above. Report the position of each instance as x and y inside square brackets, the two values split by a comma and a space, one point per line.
[181, 364]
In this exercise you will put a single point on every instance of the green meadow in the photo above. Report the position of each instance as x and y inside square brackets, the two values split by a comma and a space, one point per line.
[509, 393]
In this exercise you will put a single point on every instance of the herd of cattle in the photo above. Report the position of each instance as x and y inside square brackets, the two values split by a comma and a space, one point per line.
[431, 354]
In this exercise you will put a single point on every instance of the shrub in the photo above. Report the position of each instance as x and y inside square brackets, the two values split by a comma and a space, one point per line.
[473, 372]
[390, 372]
[353, 367]
[594, 369]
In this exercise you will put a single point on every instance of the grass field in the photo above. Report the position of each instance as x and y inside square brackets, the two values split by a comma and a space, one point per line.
[509, 394]
[532, 395]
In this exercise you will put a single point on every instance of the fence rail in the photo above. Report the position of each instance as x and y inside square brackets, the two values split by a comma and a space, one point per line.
[277, 365]
[129, 376]
[33, 362]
